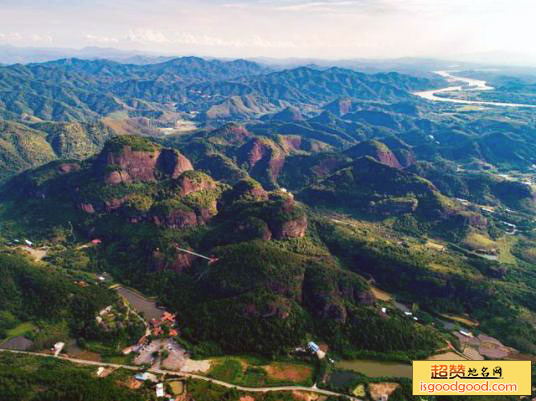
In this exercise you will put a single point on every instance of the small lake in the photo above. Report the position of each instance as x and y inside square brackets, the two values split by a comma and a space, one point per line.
[140, 303]
[374, 368]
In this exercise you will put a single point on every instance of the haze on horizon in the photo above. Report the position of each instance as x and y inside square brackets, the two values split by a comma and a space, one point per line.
[496, 30]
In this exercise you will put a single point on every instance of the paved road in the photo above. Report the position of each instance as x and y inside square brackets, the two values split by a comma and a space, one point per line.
[190, 375]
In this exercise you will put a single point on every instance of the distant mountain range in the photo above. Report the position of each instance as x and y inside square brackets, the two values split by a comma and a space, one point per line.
[75, 89]
[24, 55]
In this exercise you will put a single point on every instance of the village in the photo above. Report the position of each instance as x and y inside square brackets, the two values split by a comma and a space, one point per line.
[158, 352]
[155, 350]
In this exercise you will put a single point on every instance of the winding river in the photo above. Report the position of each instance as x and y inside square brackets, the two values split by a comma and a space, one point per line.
[469, 84]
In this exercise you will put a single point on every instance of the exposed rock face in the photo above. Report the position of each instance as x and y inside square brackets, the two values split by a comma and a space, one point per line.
[173, 163]
[65, 168]
[252, 228]
[328, 291]
[114, 204]
[254, 152]
[263, 158]
[205, 214]
[334, 311]
[377, 150]
[248, 190]
[181, 261]
[257, 193]
[116, 177]
[176, 219]
[87, 207]
[129, 166]
[292, 142]
[189, 185]
[291, 229]
[388, 157]
[275, 166]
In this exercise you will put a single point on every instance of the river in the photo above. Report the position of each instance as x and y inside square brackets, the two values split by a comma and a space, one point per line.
[469, 84]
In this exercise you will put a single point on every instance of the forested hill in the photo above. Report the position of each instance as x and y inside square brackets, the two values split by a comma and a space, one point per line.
[25, 145]
[73, 89]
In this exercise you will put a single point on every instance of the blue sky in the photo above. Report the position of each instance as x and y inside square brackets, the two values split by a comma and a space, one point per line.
[277, 28]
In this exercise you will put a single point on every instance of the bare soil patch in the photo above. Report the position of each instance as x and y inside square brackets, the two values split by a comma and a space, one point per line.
[294, 373]
[377, 390]
[380, 294]
[37, 254]
[192, 366]
[89, 356]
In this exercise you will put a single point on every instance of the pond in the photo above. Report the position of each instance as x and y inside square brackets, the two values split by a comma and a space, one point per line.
[374, 368]
[140, 303]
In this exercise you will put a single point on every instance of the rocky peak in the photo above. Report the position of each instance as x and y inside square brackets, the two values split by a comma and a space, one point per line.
[65, 168]
[247, 189]
[194, 181]
[288, 220]
[377, 150]
[129, 159]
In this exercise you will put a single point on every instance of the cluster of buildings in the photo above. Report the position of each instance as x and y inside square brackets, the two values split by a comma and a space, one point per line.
[159, 389]
[168, 321]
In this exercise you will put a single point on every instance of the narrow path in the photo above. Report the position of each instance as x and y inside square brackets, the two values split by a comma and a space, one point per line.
[190, 375]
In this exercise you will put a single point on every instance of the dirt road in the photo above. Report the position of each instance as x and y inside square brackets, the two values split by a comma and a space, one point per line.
[193, 376]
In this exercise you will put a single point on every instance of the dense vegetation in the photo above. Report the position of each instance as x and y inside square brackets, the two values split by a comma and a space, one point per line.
[25, 145]
[25, 378]
[50, 300]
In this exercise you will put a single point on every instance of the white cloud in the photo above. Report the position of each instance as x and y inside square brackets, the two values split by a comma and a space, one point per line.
[279, 28]
[101, 39]
[316, 6]
[147, 36]
[42, 38]
[11, 37]
[215, 41]
[150, 36]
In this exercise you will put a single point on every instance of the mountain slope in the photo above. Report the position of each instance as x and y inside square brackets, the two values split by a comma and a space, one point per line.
[24, 146]
[73, 89]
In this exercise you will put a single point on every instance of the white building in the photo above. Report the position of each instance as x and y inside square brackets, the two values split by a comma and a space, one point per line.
[57, 348]
[160, 390]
